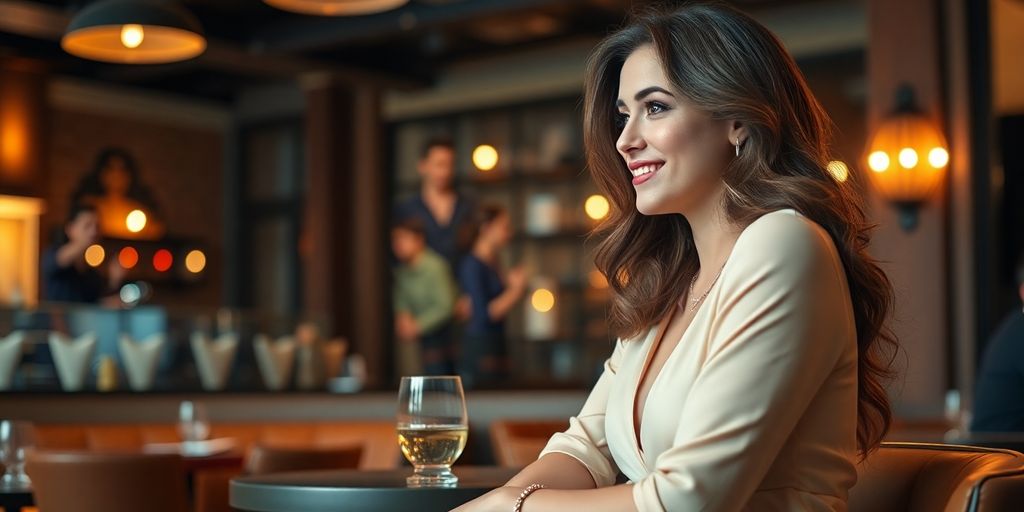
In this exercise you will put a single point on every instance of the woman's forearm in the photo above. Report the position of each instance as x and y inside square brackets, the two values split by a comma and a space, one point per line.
[617, 498]
[499, 307]
[556, 471]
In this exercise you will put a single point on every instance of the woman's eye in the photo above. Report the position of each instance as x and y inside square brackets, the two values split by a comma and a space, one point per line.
[654, 107]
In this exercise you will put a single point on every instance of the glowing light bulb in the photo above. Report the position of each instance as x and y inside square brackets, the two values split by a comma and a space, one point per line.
[136, 221]
[938, 157]
[596, 207]
[485, 157]
[543, 300]
[95, 255]
[907, 158]
[162, 260]
[128, 257]
[132, 35]
[195, 261]
[878, 161]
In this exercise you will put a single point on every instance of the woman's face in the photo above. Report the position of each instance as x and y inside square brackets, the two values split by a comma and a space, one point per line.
[499, 230]
[676, 153]
[84, 228]
[115, 177]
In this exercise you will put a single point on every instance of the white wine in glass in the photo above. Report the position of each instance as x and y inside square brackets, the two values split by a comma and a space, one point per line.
[432, 428]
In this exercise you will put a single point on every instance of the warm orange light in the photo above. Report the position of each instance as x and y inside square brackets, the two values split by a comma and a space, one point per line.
[162, 260]
[485, 157]
[128, 257]
[597, 280]
[597, 207]
[907, 158]
[132, 35]
[543, 300]
[938, 158]
[912, 140]
[95, 255]
[878, 161]
[135, 221]
[195, 261]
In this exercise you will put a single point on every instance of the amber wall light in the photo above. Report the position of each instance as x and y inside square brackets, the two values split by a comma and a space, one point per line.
[907, 156]
[134, 32]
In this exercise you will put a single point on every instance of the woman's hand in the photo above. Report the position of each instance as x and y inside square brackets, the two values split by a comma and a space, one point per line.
[501, 499]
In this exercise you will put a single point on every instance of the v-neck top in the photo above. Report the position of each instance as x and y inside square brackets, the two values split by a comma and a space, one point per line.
[756, 407]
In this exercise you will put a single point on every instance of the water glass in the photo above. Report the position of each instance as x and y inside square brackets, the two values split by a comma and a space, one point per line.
[15, 440]
[193, 425]
[432, 428]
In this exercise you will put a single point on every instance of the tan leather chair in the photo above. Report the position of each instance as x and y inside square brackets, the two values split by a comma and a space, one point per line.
[107, 482]
[921, 477]
[276, 459]
[517, 443]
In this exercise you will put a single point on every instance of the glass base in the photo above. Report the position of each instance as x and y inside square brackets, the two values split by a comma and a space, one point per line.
[432, 477]
[15, 481]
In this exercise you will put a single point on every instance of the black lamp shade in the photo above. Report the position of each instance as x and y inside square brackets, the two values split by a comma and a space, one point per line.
[161, 31]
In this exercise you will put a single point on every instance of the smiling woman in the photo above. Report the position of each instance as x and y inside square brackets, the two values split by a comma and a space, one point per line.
[713, 152]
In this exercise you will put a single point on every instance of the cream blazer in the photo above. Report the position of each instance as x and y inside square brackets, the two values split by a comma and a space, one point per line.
[756, 408]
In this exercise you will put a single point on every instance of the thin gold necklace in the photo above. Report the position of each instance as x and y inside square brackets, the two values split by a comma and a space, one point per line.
[696, 302]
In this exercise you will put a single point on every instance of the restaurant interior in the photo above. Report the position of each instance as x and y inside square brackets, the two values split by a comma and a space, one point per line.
[246, 161]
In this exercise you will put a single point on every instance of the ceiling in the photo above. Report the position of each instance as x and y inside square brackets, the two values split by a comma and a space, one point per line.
[251, 42]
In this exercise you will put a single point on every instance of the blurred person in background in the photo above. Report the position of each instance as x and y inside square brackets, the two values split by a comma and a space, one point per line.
[439, 207]
[65, 274]
[424, 299]
[492, 294]
[999, 391]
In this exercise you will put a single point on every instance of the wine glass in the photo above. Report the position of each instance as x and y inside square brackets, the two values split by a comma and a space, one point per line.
[193, 425]
[432, 428]
[15, 440]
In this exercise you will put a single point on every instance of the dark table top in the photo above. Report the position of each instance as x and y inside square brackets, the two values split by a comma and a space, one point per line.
[364, 491]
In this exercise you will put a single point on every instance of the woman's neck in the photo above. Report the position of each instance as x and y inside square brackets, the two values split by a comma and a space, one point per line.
[713, 234]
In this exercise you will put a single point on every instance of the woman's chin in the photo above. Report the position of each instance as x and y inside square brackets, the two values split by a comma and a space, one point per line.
[651, 207]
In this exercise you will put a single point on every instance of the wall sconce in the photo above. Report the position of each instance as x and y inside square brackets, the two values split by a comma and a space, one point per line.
[134, 32]
[336, 7]
[907, 156]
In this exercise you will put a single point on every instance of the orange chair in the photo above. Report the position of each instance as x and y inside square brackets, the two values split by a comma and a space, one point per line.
[921, 477]
[107, 482]
[517, 443]
[276, 459]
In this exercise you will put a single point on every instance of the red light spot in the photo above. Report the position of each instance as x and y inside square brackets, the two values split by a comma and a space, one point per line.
[162, 260]
[128, 257]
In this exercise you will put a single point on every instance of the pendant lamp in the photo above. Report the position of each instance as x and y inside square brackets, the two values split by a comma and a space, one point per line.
[336, 7]
[134, 32]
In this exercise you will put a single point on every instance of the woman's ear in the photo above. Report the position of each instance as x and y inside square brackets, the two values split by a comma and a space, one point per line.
[737, 133]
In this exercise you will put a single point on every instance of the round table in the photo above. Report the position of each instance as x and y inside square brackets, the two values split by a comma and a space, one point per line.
[354, 490]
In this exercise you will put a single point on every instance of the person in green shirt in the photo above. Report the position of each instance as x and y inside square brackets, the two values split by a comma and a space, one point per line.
[424, 300]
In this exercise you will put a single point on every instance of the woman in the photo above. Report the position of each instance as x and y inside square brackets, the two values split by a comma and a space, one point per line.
[65, 274]
[491, 297]
[113, 187]
[748, 375]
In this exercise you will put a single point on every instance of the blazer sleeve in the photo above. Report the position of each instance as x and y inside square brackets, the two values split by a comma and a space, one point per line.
[585, 438]
[782, 320]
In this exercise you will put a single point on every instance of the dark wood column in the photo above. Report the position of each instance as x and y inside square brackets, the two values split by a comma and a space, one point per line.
[344, 247]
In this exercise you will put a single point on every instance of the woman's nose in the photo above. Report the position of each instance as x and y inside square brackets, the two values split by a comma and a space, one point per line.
[629, 139]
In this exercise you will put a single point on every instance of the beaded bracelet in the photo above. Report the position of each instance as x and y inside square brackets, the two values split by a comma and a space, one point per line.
[532, 488]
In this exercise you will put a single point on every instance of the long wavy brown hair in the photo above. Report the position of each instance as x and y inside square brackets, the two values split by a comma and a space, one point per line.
[724, 63]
